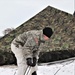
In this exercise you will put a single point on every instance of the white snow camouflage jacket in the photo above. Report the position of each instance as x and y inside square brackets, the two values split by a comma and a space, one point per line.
[26, 41]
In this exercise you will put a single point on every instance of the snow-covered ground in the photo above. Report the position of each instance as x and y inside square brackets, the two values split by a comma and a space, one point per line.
[65, 68]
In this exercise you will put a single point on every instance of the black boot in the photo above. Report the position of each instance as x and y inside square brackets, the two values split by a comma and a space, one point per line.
[34, 73]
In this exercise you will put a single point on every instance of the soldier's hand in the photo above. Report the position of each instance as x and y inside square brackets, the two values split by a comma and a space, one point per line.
[34, 61]
[29, 61]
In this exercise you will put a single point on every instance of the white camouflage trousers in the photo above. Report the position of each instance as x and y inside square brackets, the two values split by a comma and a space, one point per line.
[21, 61]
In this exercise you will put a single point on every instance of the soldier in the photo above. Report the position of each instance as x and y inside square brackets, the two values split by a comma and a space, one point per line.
[26, 48]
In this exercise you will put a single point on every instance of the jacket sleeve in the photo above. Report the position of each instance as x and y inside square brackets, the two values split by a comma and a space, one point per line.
[28, 46]
[20, 40]
[36, 54]
[27, 52]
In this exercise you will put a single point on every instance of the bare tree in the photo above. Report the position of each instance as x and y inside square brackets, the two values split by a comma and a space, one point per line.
[7, 31]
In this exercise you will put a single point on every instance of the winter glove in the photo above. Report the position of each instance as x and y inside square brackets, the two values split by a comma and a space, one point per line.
[29, 61]
[34, 61]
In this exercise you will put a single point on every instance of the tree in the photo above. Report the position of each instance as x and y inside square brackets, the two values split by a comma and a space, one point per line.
[7, 31]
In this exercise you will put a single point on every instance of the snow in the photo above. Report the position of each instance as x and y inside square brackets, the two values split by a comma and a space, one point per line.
[65, 68]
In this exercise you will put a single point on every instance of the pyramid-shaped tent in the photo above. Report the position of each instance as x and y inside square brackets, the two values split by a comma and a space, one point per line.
[61, 22]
